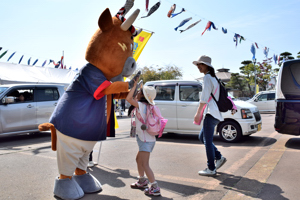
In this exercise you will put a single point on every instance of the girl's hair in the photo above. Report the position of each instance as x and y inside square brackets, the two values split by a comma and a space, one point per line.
[143, 100]
[211, 71]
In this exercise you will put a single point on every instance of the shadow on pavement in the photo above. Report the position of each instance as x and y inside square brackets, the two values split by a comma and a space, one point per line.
[293, 143]
[112, 177]
[27, 139]
[250, 187]
[248, 141]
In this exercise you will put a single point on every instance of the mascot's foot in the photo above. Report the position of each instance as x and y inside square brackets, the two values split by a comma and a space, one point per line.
[88, 183]
[67, 189]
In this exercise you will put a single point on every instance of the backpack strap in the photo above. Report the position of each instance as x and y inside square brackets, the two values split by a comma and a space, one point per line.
[215, 92]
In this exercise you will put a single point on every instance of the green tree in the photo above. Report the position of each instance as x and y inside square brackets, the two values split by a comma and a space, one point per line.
[298, 56]
[248, 72]
[162, 73]
[237, 82]
[285, 55]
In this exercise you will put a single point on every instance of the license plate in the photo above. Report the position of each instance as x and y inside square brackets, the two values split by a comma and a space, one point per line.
[258, 127]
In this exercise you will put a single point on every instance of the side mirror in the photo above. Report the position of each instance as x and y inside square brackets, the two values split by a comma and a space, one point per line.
[256, 100]
[7, 100]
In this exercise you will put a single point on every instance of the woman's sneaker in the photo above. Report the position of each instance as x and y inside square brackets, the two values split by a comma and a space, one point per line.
[207, 172]
[152, 191]
[140, 185]
[221, 162]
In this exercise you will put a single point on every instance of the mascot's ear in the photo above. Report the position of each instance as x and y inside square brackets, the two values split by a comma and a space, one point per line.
[105, 20]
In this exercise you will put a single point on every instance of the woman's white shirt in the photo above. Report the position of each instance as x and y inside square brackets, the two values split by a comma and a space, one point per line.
[143, 135]
[209, 86]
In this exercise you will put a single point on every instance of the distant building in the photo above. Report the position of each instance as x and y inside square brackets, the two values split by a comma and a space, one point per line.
[222, 74]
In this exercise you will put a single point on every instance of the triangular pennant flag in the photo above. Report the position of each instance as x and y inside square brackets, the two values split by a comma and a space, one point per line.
[207, 27]
[21, 59]
[224, 30]
[28, 62]
[3, 54]
[11, 56]
[44, 63]
[35, 61]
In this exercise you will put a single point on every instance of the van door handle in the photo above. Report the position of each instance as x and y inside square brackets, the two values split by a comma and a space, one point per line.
[29, 106]
[183, 105]
[55, 104]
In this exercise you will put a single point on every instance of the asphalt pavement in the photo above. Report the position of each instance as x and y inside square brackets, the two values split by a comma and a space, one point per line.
[262, 166]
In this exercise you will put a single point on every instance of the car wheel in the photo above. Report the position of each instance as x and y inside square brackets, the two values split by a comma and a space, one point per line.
[230, 131]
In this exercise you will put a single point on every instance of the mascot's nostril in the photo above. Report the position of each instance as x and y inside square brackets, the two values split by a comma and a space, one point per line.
[132, 66]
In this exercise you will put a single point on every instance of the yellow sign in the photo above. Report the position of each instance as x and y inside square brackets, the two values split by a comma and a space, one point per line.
[257, 89]
[140, 42]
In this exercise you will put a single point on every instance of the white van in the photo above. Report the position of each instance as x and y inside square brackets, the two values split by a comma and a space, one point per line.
[264, 100]
[178, 101]
[287, 116]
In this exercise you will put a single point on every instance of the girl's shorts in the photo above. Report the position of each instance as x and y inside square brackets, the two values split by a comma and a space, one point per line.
[145, 146]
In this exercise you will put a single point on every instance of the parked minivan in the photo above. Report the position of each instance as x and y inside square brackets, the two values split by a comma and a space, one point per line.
[24, 106]
[264, 100]
[178, 101]
[287, 117]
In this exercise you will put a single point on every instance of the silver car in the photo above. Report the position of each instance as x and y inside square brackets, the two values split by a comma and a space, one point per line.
[24, 106]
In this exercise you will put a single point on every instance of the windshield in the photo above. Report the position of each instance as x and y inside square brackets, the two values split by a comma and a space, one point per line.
[2, 89]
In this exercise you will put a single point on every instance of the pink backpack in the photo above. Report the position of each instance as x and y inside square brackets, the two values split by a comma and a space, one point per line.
[155, 123]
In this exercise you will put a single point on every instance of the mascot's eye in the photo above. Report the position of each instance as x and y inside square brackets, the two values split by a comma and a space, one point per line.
[131, 46]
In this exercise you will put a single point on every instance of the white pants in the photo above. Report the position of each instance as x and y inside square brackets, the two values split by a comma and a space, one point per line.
[72, 153]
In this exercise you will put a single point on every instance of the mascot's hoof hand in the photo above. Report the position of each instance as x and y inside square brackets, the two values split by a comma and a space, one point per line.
[67, 189]
[88, 183]
[131, 82]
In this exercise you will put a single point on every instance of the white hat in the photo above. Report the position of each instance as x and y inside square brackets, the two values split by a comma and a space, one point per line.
[205, 60]
[150, 94]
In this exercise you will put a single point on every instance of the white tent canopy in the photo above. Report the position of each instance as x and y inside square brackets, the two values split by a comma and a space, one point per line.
[15, 73]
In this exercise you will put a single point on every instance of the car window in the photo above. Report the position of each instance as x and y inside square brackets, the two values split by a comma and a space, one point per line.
[262, 97]
[290, 81]
[165, 93]
[2, 89]
[23, 95]
[271, 96]
[189, 92]
[46, 94]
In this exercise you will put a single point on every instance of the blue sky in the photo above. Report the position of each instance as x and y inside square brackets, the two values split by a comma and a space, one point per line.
[44, 29]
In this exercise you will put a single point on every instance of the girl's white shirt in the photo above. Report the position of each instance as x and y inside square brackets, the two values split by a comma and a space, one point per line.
[209, 86]
[143, 135]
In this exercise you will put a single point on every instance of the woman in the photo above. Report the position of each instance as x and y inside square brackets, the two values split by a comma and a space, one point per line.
[211, 115]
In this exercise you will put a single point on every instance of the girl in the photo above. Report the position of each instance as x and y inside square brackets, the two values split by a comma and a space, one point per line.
[146, 142]
[211, 115]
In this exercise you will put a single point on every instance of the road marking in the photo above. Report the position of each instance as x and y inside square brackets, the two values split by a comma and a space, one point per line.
[214, 183]
[258, 175]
